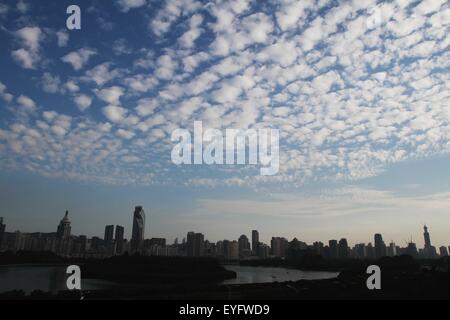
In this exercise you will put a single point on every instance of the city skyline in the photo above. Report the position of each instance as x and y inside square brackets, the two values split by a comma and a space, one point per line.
[137, 235]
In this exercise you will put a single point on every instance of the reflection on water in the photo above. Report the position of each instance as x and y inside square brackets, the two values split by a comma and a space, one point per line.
[53, 278]
[263, 275]
[44, 278]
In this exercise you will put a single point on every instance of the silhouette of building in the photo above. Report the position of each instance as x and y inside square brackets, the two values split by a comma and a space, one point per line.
[429, 251]
[137, 235]
[333, 249]
[2, 231]
[244, 246]
[343, 249]
[411, 249]
[63, 231]
[255, 241]
[380, 247]
[443, 251]
[279, 246]
[109, 234]
[392, 250]
[195, 244]
[119, 239]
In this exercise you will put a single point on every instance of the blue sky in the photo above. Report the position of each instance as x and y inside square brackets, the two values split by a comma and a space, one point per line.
[358, 91]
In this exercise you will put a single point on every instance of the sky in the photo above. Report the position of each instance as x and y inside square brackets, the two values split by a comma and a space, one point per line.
[359, 91]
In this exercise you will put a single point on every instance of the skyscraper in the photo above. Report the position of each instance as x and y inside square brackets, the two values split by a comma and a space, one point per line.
[426, 236]
[2, 231]
[195, 244]
[244, 246]
[380, 247]
[343, 249]
[109, 234]
[255, 241]
[429, 251]
[333, 244]
[63, 231]
[119, 239]
[137, 236]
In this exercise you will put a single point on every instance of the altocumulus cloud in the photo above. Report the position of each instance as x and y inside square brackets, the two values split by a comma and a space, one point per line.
[352, 86]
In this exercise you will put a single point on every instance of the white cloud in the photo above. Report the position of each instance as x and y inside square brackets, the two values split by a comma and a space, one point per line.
[27, 103]
[4, 94]
[187, 40]
[78, 59]
[30, 37]
[111, 95]
[115, 114]
[127, 5]
[83, 102]
[25, 58]
[125, 134]
[62, 38]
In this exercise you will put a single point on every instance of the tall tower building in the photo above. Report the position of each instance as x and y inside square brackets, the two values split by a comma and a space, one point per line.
[63, 231]
[426, 236]
[2, 231]
[255, 241]
[137, 236]
[109, 234]
[119, 239]
[380, 246]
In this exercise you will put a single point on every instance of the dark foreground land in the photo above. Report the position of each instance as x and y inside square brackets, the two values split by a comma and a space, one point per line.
[160, 278]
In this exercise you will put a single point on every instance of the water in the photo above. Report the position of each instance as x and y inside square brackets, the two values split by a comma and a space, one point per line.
[44, 278]
[247, 275]
[53, 278]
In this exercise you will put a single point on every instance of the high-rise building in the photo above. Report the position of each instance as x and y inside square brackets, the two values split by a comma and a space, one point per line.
[244, 246]
[2, 231]
[427, 238]
[429, 251]
[443, 251]
[333, 249]
[392, 250]
[278, 246]
[195, 244]
[343, 249]
[109, 234]
[63, 231]
[137, 236]
[255, 241]
[119, 239]
[380, 247]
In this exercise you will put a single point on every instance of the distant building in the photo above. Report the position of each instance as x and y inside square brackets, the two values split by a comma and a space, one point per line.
[63, 231]
[443, 251]
[233, 250]
[392, 250]
[263, 251]
[119, 240]
[109, 234]
[380, 247]
[333, 249]
[343, 249]
[428, 251]
[279, 246]
[411, 249]
[195, 244]
[137, 236]
[2, 231]
[244, 246]
[359, 251]
[255, 241]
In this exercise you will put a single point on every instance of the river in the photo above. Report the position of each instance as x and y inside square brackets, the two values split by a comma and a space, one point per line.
[53, 278]
[247, 274]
